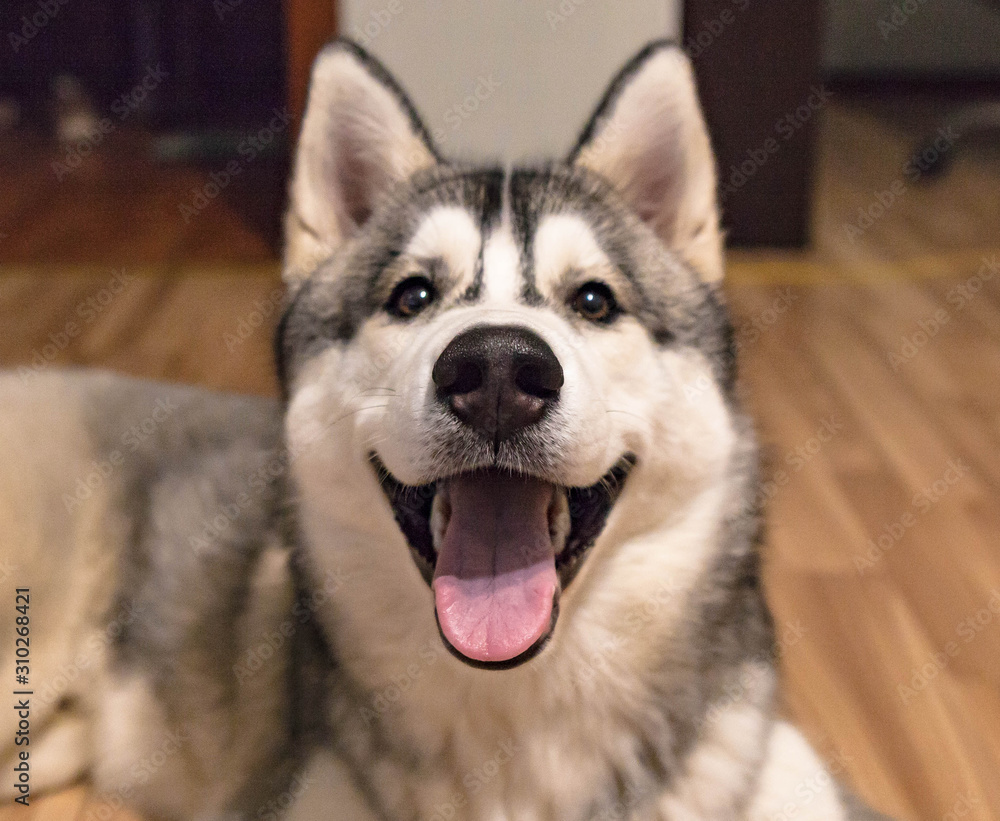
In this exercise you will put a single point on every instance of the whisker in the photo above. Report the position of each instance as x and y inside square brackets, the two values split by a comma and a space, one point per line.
[627, 413]
[352, 412]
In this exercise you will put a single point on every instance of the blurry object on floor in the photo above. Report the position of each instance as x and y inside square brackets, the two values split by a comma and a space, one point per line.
[73, 111]
[973, 123]
[942, 50]
[10, 114]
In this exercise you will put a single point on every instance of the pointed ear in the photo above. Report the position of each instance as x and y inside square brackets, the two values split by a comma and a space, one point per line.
[360, 137]
[648, 138]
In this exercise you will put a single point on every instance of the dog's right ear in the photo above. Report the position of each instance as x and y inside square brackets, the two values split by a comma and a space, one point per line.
[360, 136]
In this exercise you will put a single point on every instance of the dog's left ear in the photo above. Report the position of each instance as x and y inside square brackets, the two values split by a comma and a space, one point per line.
[648, 138]
[360, 137]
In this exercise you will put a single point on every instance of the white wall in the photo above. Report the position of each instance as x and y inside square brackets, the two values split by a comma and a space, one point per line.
[508, 80]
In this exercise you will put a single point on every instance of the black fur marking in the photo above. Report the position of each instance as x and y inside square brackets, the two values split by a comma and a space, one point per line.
[279, 348]
[524, 218]
[488, 203]
[664, 294]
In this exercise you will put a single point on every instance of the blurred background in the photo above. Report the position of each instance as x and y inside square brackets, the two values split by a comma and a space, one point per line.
[144, 150]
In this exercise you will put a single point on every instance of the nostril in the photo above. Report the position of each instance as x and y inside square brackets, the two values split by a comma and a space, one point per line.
[468, 377]
[542, 377]
[457, 376]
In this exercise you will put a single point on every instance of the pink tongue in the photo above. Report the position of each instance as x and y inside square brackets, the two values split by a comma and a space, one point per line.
[496, 573]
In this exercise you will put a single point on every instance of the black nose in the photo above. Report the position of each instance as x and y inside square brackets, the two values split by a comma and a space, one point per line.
[498, 379]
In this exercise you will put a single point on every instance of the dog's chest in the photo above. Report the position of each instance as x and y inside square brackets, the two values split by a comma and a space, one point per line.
[434, 752]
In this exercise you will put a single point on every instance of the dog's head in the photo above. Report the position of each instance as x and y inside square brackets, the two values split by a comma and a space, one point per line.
[502, 382]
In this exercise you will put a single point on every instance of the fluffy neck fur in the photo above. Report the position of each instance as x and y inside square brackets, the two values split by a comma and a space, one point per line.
[607, 717]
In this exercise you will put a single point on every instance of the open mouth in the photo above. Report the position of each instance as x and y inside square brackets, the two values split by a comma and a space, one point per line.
[497, 548]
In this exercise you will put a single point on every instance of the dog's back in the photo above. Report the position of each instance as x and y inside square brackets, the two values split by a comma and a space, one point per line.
[142, 519]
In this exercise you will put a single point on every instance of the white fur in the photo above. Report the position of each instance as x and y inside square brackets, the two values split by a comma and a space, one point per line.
[502, 266]
[795, 782]
[564, 242]
[450, 233]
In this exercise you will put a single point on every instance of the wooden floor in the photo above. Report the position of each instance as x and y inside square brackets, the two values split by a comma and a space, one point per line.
[872, 363]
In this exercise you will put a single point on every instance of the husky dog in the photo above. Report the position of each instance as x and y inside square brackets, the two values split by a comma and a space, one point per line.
[494, 555]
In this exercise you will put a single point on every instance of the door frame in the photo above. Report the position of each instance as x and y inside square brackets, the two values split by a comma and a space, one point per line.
[757, 66]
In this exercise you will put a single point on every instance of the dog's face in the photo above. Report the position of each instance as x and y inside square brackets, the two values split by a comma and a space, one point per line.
[501, 383]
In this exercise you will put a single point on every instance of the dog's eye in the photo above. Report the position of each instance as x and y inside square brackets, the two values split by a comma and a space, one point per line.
[410, 297]
[594, 301]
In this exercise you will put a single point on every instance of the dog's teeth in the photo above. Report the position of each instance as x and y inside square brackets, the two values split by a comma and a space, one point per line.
[559, 520]
[440, 513]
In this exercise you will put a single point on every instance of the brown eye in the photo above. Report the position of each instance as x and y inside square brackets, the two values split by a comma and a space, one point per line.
[594, 301]
[410, 297]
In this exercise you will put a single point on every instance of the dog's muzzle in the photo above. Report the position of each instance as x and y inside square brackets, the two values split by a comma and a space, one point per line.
[498, 380]
[497, 539]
